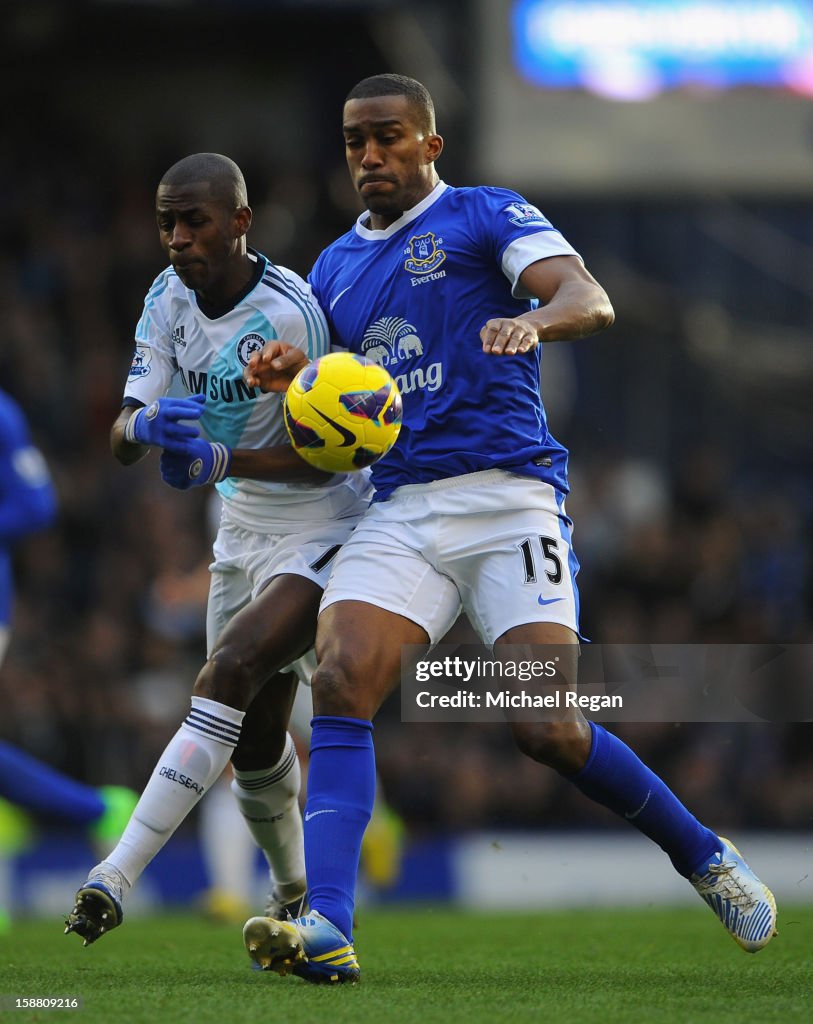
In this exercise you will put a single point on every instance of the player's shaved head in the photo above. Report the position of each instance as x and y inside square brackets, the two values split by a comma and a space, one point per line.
[222, 175]
[202, 213]
[399, 85]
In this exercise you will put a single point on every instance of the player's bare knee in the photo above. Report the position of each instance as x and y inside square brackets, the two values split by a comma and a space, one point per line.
[334, 692]
[560, 745]
[229, 677]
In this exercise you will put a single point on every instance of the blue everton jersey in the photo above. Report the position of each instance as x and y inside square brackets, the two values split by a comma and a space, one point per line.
[27, 500]
[414, 297]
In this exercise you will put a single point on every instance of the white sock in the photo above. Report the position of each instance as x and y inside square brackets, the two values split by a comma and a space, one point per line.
[192, 762]
[269, 801]
[228, 848]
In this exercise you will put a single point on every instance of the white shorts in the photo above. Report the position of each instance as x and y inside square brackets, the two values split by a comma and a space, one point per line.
[494, 543]
[245, 561]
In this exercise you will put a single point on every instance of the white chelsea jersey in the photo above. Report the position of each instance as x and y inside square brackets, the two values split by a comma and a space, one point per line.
[179, 348]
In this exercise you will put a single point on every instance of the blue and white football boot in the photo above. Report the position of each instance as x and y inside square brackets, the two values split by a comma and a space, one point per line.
[309, 947]
[97, 909]
[745, 905]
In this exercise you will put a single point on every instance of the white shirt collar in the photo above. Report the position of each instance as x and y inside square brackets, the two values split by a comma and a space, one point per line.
[405, 218]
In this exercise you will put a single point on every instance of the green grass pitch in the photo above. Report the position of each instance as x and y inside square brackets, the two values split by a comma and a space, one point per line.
[427, 965]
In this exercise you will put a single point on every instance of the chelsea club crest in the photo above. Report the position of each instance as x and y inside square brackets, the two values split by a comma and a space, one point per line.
[248, 345]
[423, 254]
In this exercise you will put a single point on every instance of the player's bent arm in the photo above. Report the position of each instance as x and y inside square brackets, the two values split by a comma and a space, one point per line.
[201, 462]
[279, 463]
[127, 452]
[275, 366]
[572, 305]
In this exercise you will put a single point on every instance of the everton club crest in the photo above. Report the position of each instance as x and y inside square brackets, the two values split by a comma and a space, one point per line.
[423, 254]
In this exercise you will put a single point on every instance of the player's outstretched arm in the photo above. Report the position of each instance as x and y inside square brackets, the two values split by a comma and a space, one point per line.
[275, 367]
[572, 305]
[204, 462]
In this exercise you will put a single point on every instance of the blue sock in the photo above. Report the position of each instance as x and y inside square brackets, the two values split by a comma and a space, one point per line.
[615, 777]
[341, 792]
[44, 791]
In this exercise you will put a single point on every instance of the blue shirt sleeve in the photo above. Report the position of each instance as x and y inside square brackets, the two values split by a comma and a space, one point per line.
[27, 498]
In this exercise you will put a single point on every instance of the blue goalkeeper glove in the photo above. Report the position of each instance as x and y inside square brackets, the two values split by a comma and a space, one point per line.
[199, 462]
[160, 423]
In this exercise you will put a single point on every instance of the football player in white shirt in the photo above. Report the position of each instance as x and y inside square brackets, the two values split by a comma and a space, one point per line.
[282, 523]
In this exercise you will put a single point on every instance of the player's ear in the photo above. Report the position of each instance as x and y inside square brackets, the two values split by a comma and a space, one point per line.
[433, 147]
[242, 220]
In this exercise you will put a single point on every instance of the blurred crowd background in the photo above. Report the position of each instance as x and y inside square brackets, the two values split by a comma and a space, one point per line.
[690, 422]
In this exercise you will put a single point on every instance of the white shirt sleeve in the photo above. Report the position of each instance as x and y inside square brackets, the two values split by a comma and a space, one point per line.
[154, 364]
[524, 251]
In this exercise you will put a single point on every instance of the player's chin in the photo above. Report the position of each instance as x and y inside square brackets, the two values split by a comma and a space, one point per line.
[193, 275]
[381, 204]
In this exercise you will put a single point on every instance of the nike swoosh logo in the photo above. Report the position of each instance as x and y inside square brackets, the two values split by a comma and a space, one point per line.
[549, 600]
[635, 814]
[312, 814]
[334, 301]
[348, 435]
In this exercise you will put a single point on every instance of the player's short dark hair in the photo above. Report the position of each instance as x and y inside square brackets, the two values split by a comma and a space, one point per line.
[398, 85]
[224, 177]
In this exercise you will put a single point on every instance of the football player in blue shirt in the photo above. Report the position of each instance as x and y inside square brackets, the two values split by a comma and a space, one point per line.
[28, 504]
[27, 500]
[455, 290]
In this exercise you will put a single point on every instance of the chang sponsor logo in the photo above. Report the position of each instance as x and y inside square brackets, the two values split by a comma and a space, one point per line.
[394, 342]
[420, 378]
[390, 340]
